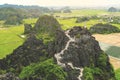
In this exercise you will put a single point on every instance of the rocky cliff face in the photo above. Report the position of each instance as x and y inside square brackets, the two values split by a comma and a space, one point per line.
[8, 76]
[81, 51]
[79, 46]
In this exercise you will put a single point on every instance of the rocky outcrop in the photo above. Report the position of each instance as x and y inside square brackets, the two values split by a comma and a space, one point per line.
[83, 46]
[8, 76]
[47, 24]
[104, 28]
[27, 28]
[60, 40]
[81, 50]
[82, 19]
[59, 43]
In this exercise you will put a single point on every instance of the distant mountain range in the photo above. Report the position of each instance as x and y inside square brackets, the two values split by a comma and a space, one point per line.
[7, 10]
[74, 7]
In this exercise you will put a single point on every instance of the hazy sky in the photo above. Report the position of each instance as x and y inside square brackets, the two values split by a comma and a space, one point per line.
[84, 3]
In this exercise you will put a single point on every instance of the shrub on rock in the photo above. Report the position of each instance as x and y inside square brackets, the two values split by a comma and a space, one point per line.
[46, 70]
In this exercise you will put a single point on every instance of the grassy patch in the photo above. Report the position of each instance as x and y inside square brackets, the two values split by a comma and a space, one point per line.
[30, 21]
[117, 25]
[9, 39]
[46, 37]
[117, 74]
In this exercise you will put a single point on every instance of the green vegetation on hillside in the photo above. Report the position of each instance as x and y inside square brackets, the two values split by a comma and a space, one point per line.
[117, 72]
[101, 69]
[90, 72]
[45, 70]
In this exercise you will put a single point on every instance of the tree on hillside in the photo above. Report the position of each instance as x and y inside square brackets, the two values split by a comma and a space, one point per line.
[112, 9]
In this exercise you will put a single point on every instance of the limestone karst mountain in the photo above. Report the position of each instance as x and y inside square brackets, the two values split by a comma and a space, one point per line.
[75, 53]
[46, 24]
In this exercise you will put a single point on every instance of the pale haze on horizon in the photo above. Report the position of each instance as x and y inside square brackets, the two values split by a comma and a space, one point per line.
[84, 3]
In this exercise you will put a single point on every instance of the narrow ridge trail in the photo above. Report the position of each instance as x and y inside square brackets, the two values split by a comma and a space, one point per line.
[58, 56]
